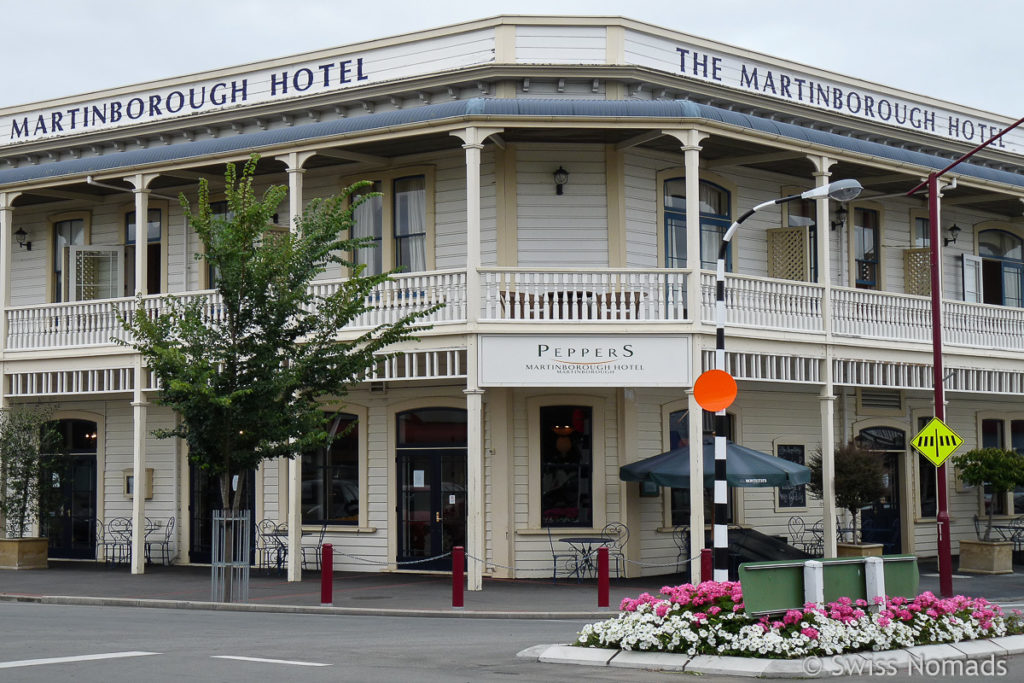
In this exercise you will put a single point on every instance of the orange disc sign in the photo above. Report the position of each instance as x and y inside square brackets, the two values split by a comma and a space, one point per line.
[715, 390]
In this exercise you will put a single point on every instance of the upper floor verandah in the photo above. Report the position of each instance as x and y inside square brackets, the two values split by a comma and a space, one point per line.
[612, 249]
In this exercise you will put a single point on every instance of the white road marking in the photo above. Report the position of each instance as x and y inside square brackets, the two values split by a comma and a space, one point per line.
[80, 658]
[269, 661]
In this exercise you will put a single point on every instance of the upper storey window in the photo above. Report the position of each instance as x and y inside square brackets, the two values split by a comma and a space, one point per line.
[1002, 268]
[154, 234]
[65, 235]
[866, 247]
[715, 219]
[398, 221]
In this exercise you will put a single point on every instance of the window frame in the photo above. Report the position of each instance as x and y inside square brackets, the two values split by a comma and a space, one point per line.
[164, 208]
[736, 492]
[679, 173]
[1006, 437]
[597, 458]
[388, 242]
[361, 414]
[879, 261]
[919, 419]
[812, 232]
[51, 249]
[325, 470]
[779, 507]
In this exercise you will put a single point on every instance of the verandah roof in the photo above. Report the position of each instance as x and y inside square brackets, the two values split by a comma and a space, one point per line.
[565, 109]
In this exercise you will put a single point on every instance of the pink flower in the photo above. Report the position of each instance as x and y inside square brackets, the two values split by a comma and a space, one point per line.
[662, 609]
[811, 633]
[714, 609]
[700, 616]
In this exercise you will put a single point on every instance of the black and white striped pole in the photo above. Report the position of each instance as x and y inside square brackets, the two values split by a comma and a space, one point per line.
[842, 191]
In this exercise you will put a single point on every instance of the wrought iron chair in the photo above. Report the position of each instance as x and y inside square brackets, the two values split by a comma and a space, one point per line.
[815, 544]
[569, 558]
[161, 543]
[117, 544]
[268, 546]
[797, 532]
[311, 553]
[681, 536]
[617, 534]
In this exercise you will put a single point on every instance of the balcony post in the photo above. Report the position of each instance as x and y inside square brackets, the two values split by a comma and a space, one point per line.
[6, 260]
[827, 396]
[295, 162]
[473, 142]
[140, 188]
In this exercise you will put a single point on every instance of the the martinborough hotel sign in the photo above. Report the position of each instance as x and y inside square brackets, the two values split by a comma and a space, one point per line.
[632, 360]
[349, 69]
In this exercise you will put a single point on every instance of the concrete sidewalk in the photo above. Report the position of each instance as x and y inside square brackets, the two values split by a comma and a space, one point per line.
[385, 593]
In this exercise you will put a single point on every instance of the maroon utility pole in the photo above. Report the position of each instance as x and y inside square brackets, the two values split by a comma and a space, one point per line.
[934, 234]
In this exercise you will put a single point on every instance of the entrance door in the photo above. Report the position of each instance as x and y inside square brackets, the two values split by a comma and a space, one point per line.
[71, 527]
[432, 506]
[204, 498]
[881, 521]
[431, 458]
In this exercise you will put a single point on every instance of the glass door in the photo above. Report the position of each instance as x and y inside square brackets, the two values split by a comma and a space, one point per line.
[432, 506]
[71, 526]
[881, 521]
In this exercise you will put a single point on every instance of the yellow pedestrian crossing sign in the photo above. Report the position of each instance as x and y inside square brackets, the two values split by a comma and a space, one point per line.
[936, 441]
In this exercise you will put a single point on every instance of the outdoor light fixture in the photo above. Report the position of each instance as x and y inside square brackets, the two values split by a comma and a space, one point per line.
[840, 221]
[561, 178]
[20, 235]
[954, 232]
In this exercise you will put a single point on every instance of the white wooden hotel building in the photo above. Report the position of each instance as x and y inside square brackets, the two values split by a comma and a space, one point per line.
[576, 314]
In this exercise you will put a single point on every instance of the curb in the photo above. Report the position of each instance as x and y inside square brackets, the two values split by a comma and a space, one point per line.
[945, 659]
[450, 613]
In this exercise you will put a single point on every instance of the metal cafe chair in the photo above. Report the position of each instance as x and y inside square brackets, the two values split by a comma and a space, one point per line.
[267, 545]
[797, 532]
[617, 534]
[162, 543]
[117, 544]
[311, 553]
[681, 536]
[570, 559]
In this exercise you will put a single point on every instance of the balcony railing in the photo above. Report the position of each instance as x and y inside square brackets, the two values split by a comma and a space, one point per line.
[602, 296]
[91, 323]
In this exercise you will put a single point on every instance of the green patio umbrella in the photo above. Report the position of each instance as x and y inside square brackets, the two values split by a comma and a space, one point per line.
[744, 467]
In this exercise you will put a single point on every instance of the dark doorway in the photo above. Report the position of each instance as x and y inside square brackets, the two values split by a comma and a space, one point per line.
[71, 526]
[881, 521]
[431, 458]
[204, 498]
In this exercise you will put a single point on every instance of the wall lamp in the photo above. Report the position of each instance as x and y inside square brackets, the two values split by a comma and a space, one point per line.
[953, 232]
[561, 178]
[840, 221]
[20, 235]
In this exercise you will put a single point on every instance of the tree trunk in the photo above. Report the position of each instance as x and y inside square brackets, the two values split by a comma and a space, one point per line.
[991, 512]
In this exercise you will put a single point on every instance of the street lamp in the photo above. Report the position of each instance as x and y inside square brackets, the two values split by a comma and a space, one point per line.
[841, 191]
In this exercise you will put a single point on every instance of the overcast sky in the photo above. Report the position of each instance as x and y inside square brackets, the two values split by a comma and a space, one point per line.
[964, 52]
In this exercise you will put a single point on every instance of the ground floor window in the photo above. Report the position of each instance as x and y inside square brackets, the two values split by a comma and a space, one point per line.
[792, 496]
[997, 433]
[566, 465]
[927, 480]
[679, 430]
[330, 477]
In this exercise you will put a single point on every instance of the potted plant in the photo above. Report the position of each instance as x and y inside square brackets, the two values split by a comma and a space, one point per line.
[1003, 471]
[859, 481]
[27, 443]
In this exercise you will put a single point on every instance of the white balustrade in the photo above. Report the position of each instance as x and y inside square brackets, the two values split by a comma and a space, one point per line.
[871, 314]
[92, 323]
[602, 295]
[763, 303]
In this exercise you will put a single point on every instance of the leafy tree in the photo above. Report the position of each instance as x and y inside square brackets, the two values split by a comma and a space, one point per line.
[28, 444]
[245, 368]
[1001, 469]
[858, 478]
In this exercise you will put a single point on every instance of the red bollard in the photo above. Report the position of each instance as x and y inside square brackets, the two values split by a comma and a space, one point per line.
[458, 563]
[602, 576]
[327, 575]
[705, 564]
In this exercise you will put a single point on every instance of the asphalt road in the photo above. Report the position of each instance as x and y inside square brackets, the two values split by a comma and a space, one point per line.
[114, 644]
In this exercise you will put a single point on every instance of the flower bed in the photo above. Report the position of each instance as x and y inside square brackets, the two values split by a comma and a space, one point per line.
[709, 619]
